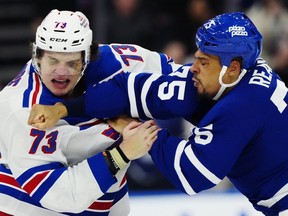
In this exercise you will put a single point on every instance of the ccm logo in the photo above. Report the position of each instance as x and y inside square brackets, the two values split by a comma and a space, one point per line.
[58, 39]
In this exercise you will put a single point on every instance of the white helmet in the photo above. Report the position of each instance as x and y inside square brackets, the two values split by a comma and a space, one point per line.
[65, 31]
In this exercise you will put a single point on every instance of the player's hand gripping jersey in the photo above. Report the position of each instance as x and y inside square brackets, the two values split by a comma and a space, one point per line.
[62, 170]
[251, 150]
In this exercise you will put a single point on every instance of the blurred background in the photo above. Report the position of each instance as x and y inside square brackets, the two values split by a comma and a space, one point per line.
[161, 25]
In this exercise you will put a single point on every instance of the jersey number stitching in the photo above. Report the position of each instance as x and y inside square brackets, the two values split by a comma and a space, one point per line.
[125, 58]
[171, 90]
[49, 147]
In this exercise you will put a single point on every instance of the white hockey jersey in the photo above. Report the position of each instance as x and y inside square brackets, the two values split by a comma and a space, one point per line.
[51, 167]
[62, 171]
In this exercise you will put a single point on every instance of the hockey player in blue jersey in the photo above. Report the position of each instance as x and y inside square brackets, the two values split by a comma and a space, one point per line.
[243, 136]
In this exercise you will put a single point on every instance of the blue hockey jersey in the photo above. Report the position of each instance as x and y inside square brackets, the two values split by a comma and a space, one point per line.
[243, 136]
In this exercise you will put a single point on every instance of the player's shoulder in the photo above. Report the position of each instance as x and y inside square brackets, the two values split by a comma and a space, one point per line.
[260, 81]
[105, 63]
[119, 49]
[104, 50]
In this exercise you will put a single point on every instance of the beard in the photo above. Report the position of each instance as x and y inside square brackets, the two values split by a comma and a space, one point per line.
[204, 95]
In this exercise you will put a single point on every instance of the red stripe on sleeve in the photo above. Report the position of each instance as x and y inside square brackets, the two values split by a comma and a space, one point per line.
[101, 205]
[8, 180]
[123, 180]
[37, 87]
[34, 182]
[4, 214]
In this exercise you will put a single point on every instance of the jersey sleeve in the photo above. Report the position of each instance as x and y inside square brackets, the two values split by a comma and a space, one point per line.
[75, 106]
[143, 95]
[136, 59]
[208, 155]
[61, 168]
[116, 58]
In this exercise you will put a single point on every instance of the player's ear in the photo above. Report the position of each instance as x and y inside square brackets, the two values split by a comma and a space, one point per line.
[235, 68]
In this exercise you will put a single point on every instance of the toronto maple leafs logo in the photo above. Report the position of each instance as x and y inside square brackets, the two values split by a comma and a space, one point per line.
[209, 24]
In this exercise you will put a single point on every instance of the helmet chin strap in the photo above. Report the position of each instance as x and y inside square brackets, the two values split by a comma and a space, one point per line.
[224, 85]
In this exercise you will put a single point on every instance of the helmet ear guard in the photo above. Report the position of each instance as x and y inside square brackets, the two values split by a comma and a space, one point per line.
[230, 36]
[64, 31]
[34, 58]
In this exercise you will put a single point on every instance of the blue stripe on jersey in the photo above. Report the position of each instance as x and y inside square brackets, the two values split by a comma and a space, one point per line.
[88, 213]
[30, 172]
[5, 170]
[121, 193]
[101, 172]
[26, 95]
[166, 68]
[116, 196]
[19, 195]
[13, 192]
[47, 184]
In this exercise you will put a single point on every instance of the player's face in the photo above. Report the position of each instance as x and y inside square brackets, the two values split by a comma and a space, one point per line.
[60, 71]
[206, 71]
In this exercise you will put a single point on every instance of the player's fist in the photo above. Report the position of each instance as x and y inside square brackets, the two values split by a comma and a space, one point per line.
[44, 116]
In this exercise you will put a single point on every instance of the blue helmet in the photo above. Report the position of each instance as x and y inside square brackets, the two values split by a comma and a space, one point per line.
[228, 36]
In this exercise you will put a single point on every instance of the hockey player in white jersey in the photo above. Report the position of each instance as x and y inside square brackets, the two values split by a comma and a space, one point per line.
[78, 167]
[243, 136]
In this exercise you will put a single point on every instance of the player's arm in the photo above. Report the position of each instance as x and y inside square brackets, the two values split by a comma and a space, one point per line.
[40, 165]
[47, 116]
[209, 154]
[116, 58]
[136, 59]
[141, 96]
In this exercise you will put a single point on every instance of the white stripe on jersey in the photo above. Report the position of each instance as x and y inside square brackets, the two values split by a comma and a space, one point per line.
[7, 179]
[131, 95]
[111, 76]
[278, 196]
[34, 185]
[35, 94]
[199, 166]
[284, 213]
[188, 189]
[144, 92]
